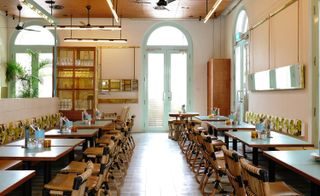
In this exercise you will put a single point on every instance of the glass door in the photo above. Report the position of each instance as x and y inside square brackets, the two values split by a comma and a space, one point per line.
[166, 83]
[241, 63]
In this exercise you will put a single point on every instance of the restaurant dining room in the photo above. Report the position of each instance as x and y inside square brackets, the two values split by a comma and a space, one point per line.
[159, 97]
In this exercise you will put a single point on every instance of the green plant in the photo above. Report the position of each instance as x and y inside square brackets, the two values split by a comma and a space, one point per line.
[13, 71]
[30, 81]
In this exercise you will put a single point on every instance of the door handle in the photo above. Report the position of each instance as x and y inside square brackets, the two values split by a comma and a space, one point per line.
[169, 96]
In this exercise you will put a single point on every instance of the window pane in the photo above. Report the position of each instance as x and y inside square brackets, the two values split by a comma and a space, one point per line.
[24, 59]
[43, 37]
[155, 90]
[168, 36]
[178, 81]
[45, 75]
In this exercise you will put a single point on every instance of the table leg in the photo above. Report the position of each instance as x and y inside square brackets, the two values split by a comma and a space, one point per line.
[255, 156]
[26, 165]
[27, 188]
[91, 142]
[71, 155]
[46, 171]
[85, 145]
[271, 170]
[244, 150]
[210, 130]
[235, 144]
[226, 140]
[215, 132]
[315, 189]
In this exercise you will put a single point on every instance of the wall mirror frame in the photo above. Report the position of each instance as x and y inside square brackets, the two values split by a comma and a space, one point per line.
[282, 78]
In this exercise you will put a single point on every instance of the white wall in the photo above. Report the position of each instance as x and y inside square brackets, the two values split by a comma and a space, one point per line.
[134, 30]
[3, 49]
[294, 104]
[20, 109]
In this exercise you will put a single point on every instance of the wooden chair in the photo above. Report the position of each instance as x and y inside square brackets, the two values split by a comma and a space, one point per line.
[233, 170]
[214, 167]
[69, 184]
[256, 182]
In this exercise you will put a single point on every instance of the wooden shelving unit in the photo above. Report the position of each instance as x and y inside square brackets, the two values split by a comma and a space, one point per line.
[76, 80]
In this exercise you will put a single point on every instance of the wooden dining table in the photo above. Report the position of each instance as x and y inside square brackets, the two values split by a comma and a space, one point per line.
[300, 162]
[183, 116]
[44, 155]
[98, 124]
[55, 143]
[211, 118]
[215, 127]
[276, 140]
[12, 179]
[88, 134]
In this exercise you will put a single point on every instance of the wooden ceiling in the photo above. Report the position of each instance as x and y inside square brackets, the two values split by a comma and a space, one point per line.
[179, 9]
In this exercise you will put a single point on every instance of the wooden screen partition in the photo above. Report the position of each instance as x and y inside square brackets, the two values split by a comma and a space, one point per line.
[218, 85]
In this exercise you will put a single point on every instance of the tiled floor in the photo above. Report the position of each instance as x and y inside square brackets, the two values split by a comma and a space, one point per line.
[158, 168]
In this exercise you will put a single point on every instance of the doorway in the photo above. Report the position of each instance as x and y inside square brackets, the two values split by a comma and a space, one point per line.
[166, 75]
[241, 51]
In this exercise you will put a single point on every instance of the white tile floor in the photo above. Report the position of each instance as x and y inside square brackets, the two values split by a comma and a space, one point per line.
[158, 168]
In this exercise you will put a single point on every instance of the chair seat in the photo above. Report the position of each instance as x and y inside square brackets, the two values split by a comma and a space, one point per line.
[106, 141]
[92, 182]
[280, 188]
[61, 182]
[79, 167]
[97, 151]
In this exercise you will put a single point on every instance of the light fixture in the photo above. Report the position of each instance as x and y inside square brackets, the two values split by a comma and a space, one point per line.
[114, 13]
[39, 10]
[87, 26]
[91, 27]
[95, 40]
[213, 9]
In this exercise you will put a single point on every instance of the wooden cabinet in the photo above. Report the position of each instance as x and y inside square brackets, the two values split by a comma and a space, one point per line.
[76, 80]
[218, 85]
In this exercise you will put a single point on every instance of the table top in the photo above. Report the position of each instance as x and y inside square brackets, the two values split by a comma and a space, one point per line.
[11, 179]
[222, 126]
[81, 133]
[54, 142]
[184, 115]
[44, 154]
[214, 118]
[98, 124]
[299, 161]
[276, 140]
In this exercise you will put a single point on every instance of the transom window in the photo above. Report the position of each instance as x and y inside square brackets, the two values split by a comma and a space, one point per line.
[167, 36]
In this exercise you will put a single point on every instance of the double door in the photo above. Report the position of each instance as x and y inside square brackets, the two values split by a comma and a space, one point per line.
[166, 86]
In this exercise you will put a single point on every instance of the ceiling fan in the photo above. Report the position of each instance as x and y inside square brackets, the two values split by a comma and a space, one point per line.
[141, 1]
[20, 25]
[88, 7]
[161, 4]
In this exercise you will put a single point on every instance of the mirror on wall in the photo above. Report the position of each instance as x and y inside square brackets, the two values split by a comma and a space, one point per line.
[118, 85]
[282, 78]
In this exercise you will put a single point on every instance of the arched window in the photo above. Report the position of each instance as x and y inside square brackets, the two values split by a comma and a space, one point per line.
[32, 49]
[241, 51]
[167, 36]
[167, 69]
[36, 36]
